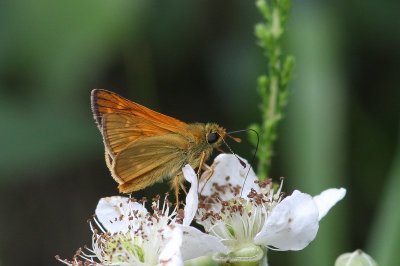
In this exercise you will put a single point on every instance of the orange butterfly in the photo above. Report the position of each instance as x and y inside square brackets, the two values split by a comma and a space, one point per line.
[143, 146]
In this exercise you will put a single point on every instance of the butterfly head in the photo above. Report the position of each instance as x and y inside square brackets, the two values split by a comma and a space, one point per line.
[214, 134]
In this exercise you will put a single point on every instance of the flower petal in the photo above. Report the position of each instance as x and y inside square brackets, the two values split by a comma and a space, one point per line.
[327, 199]
[229, 171]
[171, 254]
[110, 209]
[292, 224]
[196, 243]
[192, 198]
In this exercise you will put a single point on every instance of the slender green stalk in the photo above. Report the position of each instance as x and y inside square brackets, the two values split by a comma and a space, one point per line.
[272, 87]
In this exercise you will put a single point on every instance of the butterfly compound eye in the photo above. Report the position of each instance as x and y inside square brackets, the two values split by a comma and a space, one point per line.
[212, 137]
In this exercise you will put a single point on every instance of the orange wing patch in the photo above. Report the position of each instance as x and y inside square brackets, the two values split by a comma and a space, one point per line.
[104, 102]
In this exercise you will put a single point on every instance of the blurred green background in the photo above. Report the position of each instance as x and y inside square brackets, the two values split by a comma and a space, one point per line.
[197, 61]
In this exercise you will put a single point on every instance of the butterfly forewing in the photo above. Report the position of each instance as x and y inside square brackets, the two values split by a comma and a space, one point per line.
[104, 102]
[120, 130]
[122, 121]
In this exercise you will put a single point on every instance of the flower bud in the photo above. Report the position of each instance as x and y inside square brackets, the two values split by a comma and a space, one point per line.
[251, 255]
[357, 258]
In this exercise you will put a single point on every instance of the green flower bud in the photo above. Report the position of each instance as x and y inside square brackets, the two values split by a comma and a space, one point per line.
[251, 255]
[357, 258]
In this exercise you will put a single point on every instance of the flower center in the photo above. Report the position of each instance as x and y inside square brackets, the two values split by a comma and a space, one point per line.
[237, 221]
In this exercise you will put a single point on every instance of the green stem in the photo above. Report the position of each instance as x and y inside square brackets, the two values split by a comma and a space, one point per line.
[272, 87]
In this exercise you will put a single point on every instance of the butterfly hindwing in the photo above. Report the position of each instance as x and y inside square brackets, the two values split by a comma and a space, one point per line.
[149, 160]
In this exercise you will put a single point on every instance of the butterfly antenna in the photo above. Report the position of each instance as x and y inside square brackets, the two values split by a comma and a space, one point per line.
[240, 161]
[254, 154]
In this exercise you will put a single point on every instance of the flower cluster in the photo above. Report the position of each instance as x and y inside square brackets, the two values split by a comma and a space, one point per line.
[128, 234]
[262, 215]
[238, 213]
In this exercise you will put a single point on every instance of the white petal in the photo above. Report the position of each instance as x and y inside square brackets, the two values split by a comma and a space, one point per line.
[192, 198]
[327, 199]
[171, 254]
[196, 243]
[292, 224]
[228, 170]
[110, 209]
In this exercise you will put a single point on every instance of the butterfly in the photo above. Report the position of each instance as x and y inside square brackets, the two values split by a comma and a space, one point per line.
[143, 146]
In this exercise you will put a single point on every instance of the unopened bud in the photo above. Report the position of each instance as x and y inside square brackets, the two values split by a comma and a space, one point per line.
[251, 255]
[357, 258]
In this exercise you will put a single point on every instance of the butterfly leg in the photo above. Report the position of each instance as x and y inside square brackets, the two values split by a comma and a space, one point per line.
[183, 188]
[202, 159]
[176, 184]
[209, 171]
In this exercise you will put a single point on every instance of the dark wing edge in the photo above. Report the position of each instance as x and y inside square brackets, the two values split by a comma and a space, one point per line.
[96, 114]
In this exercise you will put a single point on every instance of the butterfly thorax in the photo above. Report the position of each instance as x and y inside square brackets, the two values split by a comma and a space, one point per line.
[203, 138]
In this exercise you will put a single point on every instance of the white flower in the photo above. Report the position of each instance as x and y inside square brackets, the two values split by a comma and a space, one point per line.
[131, 235]
[196, 243]
[260, 216]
